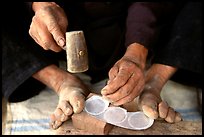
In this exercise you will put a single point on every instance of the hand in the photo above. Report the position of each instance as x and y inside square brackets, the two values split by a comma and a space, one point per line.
[126, 77]
[49, 25]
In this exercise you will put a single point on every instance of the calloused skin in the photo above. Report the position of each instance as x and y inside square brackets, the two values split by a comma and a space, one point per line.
[126, 77]
[49, 25]
[70, 89]
[150, 101]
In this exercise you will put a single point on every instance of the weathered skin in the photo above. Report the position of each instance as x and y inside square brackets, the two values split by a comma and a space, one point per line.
[126, 78]
[71, 91]
[150, 101]
[48, 26]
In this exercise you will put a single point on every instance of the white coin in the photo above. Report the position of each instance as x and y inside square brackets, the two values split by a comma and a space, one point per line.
[115, 115]
[138, 120]
[95, 105]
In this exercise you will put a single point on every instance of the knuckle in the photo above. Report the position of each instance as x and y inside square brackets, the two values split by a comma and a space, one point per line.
[30, 32]
[128, 91]
[46, 45]
[52, 27]
[129, 98]
[138, 74]
[125, 91]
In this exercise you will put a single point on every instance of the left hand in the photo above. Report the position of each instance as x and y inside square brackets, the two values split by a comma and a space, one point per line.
[126, 79]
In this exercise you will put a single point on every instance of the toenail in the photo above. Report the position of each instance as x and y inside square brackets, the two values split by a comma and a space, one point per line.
[67, 111]
[63, 117]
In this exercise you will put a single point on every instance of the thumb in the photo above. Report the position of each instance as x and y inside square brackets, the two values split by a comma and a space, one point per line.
[57, 33]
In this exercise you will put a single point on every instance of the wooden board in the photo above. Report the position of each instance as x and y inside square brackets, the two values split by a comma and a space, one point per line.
[159, 127]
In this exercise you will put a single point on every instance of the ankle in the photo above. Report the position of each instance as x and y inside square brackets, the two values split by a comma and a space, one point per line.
[51, 76]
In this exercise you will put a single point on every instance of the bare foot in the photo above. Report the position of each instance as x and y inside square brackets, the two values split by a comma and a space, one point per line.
[150, 101]
[154, 107]
[71, 91]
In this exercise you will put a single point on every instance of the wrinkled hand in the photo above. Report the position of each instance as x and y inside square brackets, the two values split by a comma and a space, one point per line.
[126, 81]
[48, 26]
[126, 77]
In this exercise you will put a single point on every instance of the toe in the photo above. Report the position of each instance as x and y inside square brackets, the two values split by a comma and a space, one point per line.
[171, 115]
[77, 102]
[150, 111]
[65, 107]
[60, 115]
[54, 124]
[149, 106]
[163, 109]
[178, 117]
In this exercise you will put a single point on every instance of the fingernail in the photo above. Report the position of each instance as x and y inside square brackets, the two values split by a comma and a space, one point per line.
[107, 99]
[103, 91]
[61, 42]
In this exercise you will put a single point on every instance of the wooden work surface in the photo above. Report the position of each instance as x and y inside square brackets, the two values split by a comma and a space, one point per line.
[159, 127]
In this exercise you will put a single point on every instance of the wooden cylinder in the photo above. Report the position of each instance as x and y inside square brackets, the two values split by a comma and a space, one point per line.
[76, 50]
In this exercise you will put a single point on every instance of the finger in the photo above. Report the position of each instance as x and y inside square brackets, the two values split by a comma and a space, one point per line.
[33, 33]
[120, 79]
[46, 38]
[108, 81]
[77, 101]
[113, 72]
[135, 92]
[65, 107]
[163, 109]
[171, 115]
[54, 28]
[124, 100]
[123, 91]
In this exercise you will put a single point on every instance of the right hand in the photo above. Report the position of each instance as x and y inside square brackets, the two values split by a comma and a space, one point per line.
[126, 77]
[49, 25]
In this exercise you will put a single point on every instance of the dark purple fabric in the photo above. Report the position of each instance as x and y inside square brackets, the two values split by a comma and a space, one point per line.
[146, 19]
[183, 49]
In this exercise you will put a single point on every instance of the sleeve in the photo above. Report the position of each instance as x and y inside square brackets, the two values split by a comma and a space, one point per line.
[185, 40]
[144, 20]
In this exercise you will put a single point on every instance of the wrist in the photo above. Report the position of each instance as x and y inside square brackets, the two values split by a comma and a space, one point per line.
[137, 53]
[39, 5]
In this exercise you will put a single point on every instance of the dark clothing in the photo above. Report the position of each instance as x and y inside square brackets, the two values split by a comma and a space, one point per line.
[108, 28]
[21, 56]
[183, 47]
